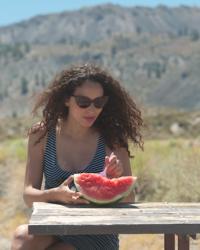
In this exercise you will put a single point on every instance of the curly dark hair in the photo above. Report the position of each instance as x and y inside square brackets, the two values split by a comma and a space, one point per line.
[120, 119]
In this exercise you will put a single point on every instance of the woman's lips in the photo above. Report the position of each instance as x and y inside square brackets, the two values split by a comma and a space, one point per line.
[90, 118]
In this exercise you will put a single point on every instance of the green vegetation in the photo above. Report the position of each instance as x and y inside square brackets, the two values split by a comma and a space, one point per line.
[168, 170]
[15, 148]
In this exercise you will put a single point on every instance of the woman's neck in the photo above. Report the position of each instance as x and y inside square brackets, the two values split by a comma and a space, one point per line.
[74, 131]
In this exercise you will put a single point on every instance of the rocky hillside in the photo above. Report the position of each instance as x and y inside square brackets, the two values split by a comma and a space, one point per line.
[100, 23]
[154, 52]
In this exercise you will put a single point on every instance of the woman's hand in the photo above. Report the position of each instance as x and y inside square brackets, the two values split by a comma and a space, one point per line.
[65, 195]
[113, 166]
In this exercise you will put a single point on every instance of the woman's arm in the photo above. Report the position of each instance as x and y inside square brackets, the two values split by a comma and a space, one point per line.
[34, 171]
[34, 176]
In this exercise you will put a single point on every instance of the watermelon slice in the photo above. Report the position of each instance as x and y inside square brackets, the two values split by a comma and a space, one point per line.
[102, 190]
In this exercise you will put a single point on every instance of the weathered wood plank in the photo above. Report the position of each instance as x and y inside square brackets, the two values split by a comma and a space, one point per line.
[169, 242]
[119, 212]
[156, 205]
[107, 229]
[144, 218]
[183, 242]
[46, 208]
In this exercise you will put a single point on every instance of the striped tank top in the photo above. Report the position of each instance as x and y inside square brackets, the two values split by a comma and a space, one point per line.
[55, 175]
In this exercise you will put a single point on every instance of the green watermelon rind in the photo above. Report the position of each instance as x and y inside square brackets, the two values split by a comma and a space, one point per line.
[102, 202]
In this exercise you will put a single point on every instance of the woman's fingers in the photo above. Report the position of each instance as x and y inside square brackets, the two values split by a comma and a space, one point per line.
[112, 172]
[74, 197]
[112, 156]
[79, 200]
[68, 180]
[68, 196]
[118, 172]
[114, 169]
[112, 159]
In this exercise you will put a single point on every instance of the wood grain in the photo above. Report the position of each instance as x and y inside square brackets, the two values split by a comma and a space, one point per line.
[137, 218]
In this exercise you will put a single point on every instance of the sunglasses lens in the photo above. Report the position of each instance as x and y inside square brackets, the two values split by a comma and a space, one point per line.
[83, 102]
[100, 102]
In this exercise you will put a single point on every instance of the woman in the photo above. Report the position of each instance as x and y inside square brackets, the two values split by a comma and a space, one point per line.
[86, 123]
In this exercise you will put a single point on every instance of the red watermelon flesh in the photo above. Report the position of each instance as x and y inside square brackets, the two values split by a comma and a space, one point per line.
[102, 190]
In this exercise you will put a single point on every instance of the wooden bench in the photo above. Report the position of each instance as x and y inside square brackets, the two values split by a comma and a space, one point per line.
[170, 219]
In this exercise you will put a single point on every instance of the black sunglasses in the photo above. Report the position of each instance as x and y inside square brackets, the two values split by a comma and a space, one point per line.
[85, 102]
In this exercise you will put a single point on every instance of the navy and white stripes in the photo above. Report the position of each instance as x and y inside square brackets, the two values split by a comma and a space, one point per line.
[55, 175]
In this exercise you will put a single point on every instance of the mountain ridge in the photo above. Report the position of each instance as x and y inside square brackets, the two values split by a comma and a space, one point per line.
[157, 20]
[154, 52]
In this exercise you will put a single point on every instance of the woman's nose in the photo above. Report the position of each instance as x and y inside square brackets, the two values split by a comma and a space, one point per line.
[92, 107]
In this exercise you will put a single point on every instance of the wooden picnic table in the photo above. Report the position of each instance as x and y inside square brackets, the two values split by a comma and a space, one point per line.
[170, 219]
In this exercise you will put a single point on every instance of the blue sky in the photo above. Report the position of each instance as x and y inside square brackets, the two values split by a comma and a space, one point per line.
[13, 11]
